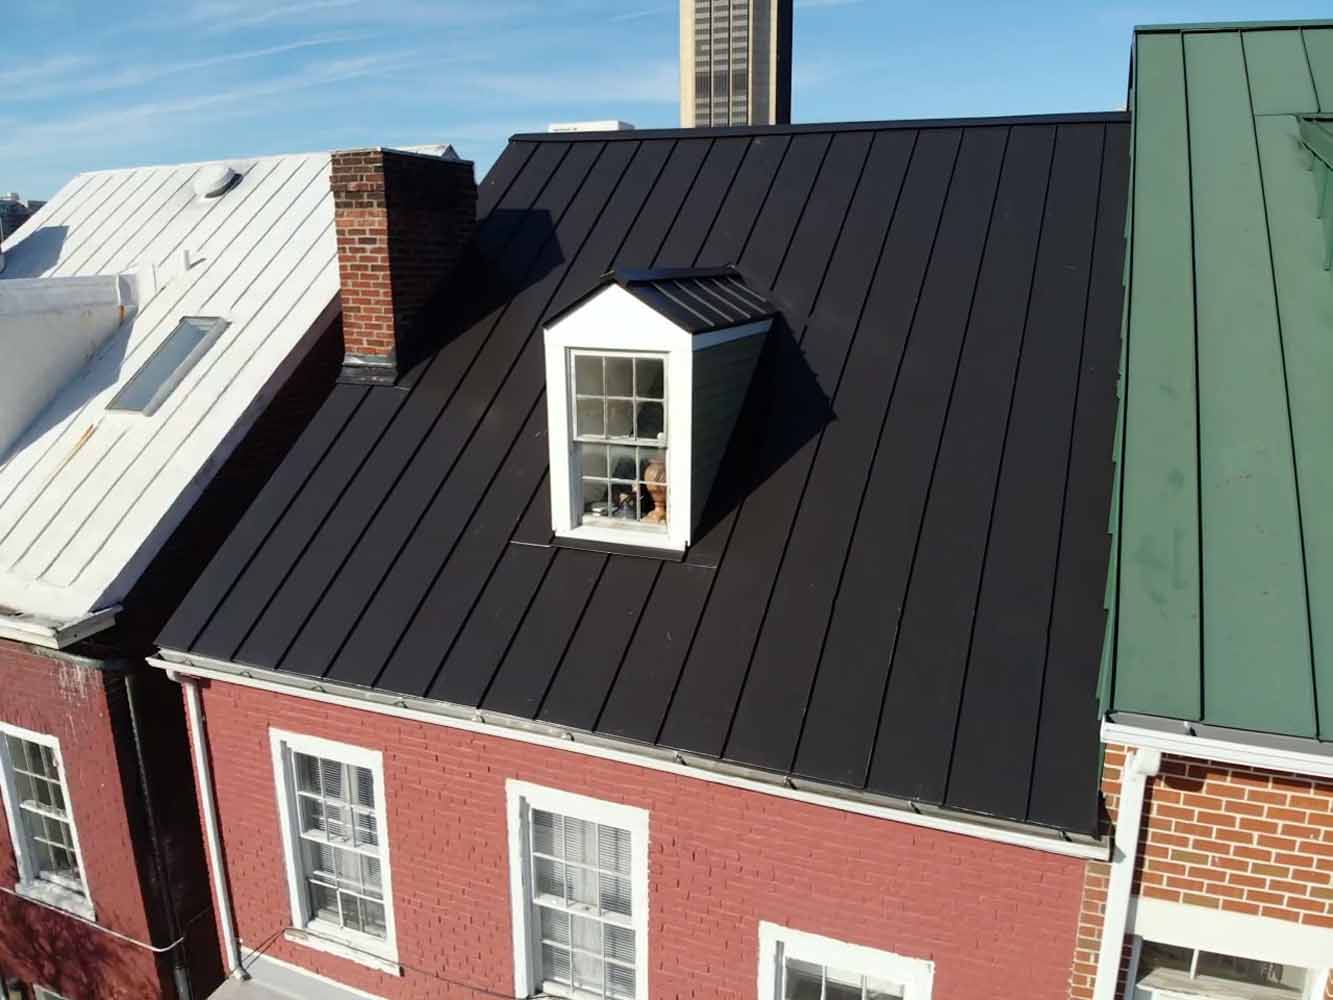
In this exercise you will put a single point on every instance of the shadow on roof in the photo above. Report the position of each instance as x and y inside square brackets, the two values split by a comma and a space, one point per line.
[36, 253]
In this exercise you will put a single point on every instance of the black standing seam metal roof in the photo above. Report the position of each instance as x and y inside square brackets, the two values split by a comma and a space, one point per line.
[898, 586]
[698, 300]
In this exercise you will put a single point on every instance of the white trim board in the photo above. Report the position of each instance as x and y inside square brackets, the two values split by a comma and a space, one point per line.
[1263, 938]
[1224, 751]
[470, 721]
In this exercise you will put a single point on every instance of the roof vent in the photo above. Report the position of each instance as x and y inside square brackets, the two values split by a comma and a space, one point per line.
[215, 180]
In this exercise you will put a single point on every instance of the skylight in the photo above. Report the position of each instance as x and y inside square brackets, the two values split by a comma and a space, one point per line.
[150, 386]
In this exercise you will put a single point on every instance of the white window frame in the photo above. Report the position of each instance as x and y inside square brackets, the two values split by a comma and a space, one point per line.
[212, 328]
[45, 993]
[522, 798]
[777, 943]
[30, 884]
[308, 930]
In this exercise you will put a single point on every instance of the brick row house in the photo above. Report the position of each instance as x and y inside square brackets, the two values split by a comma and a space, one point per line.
[167, 332]
[714, 606]
[686, 572]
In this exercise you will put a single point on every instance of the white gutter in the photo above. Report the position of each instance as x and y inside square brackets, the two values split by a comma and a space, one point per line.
[1140, 765]
[1186, 744]
[203, 776]
[667, 761]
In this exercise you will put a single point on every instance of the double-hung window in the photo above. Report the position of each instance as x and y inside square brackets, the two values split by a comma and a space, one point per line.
[41, 821]
[620, 439]
[333, 816]
[795, 965]
[579, 877]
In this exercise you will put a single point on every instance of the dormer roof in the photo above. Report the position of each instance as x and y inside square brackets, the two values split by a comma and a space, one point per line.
[696, 299]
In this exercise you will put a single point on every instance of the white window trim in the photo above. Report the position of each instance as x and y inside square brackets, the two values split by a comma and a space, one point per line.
[521, 798]
[362, 948]
[29, 884]
[777, 942]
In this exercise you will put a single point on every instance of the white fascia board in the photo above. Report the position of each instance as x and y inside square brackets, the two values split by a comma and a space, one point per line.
[1265, 939]
[519, 730]
[50, 634]
[1184, 744]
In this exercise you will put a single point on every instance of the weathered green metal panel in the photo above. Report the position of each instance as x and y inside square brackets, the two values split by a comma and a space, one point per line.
[1280, 81]
[1157, 649]
[1305, 306]
[1257, 671]
[1319, 49]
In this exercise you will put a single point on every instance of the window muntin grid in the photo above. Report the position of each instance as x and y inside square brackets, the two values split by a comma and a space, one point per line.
[620, 439]
[811, 981]
[43, 812]
[583, 909]
[340, 847]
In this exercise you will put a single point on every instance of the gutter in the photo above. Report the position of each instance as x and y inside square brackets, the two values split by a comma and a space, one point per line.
[1139, 767]
[1227, 746]
[183, 666]
[203, 775]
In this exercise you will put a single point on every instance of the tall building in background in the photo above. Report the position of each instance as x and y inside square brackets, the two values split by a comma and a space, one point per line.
[735, 62]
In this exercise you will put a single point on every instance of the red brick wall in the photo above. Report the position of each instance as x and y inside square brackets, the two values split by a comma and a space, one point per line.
[38, 945]
[1222, 837]
[991, 916]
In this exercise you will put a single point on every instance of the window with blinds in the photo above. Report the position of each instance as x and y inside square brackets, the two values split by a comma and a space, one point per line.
[340, 845]
[581, 889]
[580, 867]
[798, 965]
[334, 825]
[50, 866]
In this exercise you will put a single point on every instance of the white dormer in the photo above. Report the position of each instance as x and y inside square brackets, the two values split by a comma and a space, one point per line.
[645, 379]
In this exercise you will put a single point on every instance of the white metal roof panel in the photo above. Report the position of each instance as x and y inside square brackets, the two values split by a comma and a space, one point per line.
[88, 496]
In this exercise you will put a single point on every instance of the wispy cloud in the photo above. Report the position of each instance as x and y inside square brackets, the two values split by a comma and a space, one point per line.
[634, 15]
[654, 82]
[23, 76]
[231, 15]
[827, 3]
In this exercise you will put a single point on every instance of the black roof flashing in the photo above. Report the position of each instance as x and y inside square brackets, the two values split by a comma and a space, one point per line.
[897, 587]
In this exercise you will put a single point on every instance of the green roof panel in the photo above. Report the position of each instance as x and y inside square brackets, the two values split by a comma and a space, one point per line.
[1224, 583]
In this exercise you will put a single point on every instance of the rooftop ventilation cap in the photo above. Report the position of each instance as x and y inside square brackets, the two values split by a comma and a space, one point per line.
[215, 180]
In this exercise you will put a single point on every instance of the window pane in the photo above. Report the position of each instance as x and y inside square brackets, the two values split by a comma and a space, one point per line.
[803, 981]
[619, 377]
[587, 973]
[546, 832]
[596, 498]
[882, 989]
[650, 378]
[1164, 956]
[1251, 972]
[620, 418]
[582, 886]
[619, 982]
[587, 935]
[651, 422]
[554, 925]
[620, 944]
[841, 985]
[373, 913]
[587, 375]
[365, 787]
[590, 422]
[324, 902]
[624, 501]
[593, 460]
[549, 877]
[624, 463]
[617, 896]
[555, 965]
[613, 849]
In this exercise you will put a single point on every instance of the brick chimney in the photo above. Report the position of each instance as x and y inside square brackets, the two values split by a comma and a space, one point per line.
[402, 219]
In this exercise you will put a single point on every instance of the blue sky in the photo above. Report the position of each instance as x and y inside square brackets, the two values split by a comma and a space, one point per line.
[89, 85]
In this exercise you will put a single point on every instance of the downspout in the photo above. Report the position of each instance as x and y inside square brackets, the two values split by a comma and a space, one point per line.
[179, 968]
[203, 776]
[1140, 765]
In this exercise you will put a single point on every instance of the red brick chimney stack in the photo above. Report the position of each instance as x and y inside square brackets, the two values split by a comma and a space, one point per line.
[403, 220]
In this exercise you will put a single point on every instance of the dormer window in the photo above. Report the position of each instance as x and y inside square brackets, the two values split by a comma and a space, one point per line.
[645, 380]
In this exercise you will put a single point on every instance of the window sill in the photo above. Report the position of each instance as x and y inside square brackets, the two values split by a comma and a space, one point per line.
[60, 898]
[353, 951]
[620, 542]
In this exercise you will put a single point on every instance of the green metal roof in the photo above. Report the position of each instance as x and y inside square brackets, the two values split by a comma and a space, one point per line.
[1221, 589]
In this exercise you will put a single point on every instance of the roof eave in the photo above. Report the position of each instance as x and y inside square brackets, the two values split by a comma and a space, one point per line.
[1204, 741]
[53, 634]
